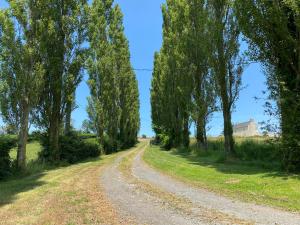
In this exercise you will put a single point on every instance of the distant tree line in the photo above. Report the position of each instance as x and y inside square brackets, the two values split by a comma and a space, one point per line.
[199, 68]
[45, 47]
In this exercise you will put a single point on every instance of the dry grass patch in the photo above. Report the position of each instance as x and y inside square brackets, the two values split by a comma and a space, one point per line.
[69, 195]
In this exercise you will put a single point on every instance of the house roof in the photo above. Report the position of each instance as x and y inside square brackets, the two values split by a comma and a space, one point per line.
[242, 125]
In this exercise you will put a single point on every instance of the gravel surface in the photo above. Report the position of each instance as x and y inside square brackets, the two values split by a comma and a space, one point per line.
[137, 204]
[134, 204]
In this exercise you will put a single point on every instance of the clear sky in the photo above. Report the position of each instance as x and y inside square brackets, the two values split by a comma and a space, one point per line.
[143, 27]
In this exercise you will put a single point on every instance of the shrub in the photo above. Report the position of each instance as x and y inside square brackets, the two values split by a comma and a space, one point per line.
[6, 144]
[110, 145]
[258, 150]
[166, 142]
[216, 145]
[248, 149]
[87, 135]
[72, 149]
[8, 141]
[35, 136]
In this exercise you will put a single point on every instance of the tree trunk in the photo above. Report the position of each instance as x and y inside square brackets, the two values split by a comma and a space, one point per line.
[186, 133]
[55, 118]
[223, 86]
[228, 132]
[205, 138]
[68, 117]
[54, 135]
[100, 132]
[56, 87]
[201, 133]
[23, 136]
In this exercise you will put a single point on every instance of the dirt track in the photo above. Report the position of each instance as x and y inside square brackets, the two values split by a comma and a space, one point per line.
[145, 196]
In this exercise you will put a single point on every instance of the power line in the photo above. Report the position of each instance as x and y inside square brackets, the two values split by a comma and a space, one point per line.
[149, 70]
[186, 68]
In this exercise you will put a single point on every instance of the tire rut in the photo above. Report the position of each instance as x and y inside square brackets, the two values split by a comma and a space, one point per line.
[136, 204]
[214, 204]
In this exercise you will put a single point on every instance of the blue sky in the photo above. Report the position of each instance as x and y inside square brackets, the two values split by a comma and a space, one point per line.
[143, 27]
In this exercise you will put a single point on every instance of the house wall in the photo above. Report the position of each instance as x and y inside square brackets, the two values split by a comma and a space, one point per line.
[248, 130]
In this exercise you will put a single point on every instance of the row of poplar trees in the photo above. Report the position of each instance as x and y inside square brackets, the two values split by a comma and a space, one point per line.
[199, 67]
[113, 107]
[45, 47]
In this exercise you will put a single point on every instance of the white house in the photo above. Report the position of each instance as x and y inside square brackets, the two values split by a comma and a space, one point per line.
[247, 129]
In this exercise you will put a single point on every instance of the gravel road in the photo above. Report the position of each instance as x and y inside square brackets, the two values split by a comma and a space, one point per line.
[149, 197]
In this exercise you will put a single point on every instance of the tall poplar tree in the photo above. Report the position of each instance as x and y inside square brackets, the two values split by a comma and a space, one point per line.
[74, 63]
[157, 95]
[227, 65]
[182, 85]
[204, 94]
[272, 29]
[199, 61]
[177, 84]
[99, 64]
[59, 24]
[21, 71]
[114, 103]
[126, 82]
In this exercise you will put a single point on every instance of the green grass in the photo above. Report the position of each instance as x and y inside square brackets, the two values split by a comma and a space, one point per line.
[33, 149]
[56, 195]
[32, 152]
[70, 193]
[33, 165]
[235, 179]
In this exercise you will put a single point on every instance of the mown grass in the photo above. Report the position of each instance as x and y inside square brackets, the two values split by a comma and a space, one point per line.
[55, 195]
[234, 178]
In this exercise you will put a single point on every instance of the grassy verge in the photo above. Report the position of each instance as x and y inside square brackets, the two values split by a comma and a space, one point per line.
[64, 195]
[234, 179]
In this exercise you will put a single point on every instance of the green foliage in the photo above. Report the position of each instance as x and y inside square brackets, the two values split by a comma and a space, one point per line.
[88, 126]
[72, 149]
[260, 151]
[35, 136]
[61, 34]
[8, 141]
[87, 136]
[198, 62]
[265, 151]
[21, 70]
[172, 84]
[216, 145]
[109, 144]
[272, 31]
[113, 107]
[6, 144]
[165, 141]
[75, 150]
